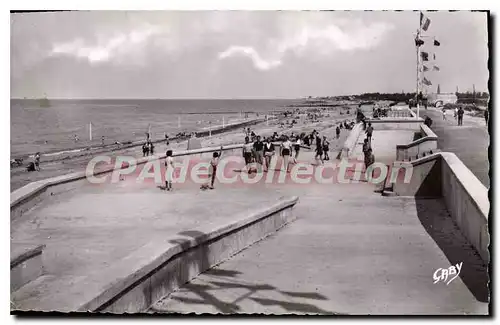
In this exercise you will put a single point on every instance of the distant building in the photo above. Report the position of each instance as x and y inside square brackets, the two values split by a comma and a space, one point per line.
[441, 99]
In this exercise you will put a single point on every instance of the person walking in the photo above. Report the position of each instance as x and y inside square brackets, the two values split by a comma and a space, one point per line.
[369, 133]
[258, 147]
[296, 147]
[151, 148]
[247, 153]
[444, 114]
[460, 116]
[169, 172]
[214, 162]
[319, 149]
[326, 147]
[455, 115]
[369, 160]
[286, 150]
[145, 149]
[337, 131]
[268, 153]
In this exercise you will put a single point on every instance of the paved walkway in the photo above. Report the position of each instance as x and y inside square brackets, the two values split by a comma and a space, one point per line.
[469, 142]
[351, 252]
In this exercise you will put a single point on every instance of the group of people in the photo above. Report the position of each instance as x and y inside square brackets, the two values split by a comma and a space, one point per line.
[148, 148]
[458, 114]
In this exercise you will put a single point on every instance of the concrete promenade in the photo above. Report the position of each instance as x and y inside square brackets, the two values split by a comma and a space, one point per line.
[351, 251]
[469, 142]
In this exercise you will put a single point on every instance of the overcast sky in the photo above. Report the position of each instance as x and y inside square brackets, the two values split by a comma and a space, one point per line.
[253, 54]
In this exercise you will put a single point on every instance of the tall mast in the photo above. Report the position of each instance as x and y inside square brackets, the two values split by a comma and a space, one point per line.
[419, 31]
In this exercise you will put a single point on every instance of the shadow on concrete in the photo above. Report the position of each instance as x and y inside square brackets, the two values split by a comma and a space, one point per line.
[443, 230]
[218, 279]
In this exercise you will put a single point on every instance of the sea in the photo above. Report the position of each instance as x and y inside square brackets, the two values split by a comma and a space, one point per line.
[52, 129]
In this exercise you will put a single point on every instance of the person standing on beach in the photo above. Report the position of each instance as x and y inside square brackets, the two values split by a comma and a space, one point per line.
[102, 140]
[460, 116]
[369, 160]
[337, 131]
[486, 116]
[247, 153]
[258, 147]
[286, 149]
[37, 161]
[145, 149]
[214, 162]
[444, 114]
[268, 153]
[151, 148]
[456, 113]
[169, 170]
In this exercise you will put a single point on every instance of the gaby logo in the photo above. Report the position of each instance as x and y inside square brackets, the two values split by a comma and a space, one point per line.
[443, 274]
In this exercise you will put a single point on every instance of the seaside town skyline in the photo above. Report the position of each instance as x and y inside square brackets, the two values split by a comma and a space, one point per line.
[290, 54]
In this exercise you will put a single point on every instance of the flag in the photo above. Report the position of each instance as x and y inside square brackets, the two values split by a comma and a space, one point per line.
[436, 43]
[418, 41]
[425, 56]
[426, 82]
[425, 68]
[435, 68]
[424, 22]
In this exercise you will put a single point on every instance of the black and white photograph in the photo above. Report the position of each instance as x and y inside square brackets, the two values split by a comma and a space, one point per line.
[250, 162]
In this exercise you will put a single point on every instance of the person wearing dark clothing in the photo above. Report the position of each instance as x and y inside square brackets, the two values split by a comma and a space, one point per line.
[145, 150]
[319, 149]
[366, 146]
[151, 148]
[486, 116]
[268, 153]
[369, 160]
[428, 121]
[460, 116]
[369, 133]
[337, 132]
[258, 147]
[326, 147]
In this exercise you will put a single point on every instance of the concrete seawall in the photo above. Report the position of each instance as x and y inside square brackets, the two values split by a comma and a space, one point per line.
[427, 144]
[161, 270]
[23, 199]
[466, 198]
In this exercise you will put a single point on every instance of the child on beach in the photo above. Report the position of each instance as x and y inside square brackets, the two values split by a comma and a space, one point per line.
[169, 173]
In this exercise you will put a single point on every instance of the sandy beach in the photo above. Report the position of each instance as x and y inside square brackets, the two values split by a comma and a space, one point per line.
[72, 162]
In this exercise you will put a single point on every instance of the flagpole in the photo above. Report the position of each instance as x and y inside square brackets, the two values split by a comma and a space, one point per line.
[418, 64]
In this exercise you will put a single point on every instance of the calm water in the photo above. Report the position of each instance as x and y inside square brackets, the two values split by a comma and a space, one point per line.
[53, 128]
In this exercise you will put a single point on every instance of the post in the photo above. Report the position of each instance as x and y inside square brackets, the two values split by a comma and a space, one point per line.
[418, 70]
[223, 124]
[210, 129]
[90, 131]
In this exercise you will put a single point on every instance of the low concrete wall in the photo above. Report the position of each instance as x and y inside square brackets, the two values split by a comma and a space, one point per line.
[24, 198]
[25, 264]
[351, 141]
[408, 123]
[158, 271]
[466, 198]
[426, 144]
